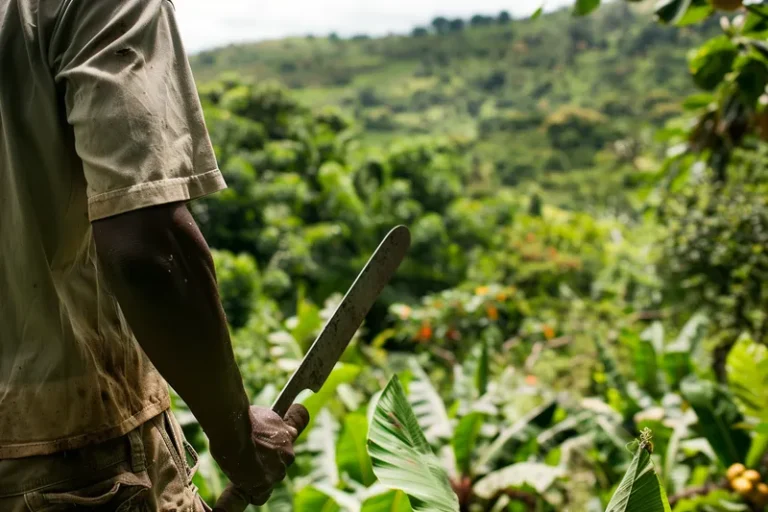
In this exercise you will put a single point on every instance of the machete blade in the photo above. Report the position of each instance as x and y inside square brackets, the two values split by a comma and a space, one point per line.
[349, 315]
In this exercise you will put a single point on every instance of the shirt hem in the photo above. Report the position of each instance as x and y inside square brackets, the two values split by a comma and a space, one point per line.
[154, 193]
[48, 447]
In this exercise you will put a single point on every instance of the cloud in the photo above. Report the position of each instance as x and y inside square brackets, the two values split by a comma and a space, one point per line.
[208, 23]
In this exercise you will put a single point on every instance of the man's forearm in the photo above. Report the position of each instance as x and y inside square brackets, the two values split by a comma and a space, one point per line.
[162, 273]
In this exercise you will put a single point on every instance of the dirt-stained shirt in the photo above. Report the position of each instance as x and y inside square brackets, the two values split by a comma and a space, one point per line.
[99, 115]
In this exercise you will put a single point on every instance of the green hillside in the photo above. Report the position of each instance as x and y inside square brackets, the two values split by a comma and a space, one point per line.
[532, 96]
[617, 62]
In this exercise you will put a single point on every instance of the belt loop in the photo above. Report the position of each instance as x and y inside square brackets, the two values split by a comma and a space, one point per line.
[190, 450]
[138, 456]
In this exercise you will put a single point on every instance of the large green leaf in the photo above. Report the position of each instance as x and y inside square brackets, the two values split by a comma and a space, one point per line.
[640, 489]
[311, 499]
[341, 374]
[583, 7]
[626, 400]
[682, 12]
[351, 451]
[683, 355]
[646, 358]
[712, 61]
[534, 474]
[392, 501]
[747, 366]
[532, 423]
[719, 419]
[465, 438]
[321, 443]
[428, 405]
[402, 458]
[670, 11]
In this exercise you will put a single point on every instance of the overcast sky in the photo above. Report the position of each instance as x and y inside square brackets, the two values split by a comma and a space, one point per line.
[210, 23]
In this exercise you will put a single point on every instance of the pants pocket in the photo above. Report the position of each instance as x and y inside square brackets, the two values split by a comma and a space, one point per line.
[121, 493]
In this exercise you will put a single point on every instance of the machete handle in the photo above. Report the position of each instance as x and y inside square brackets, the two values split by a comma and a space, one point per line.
[233, 499]
[283, 403]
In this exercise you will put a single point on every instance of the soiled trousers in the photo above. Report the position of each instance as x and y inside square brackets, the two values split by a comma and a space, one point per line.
[147, 470]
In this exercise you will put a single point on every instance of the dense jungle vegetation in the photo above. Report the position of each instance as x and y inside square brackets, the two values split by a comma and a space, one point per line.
[581, 322]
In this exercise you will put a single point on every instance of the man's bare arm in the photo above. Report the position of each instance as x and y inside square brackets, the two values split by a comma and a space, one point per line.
[162, 273]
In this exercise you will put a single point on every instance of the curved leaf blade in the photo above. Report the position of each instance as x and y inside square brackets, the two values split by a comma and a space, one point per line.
[464, 440]
[718, 419]
[640, 489]
[537, 475]
[311, 499]
[427, 405]
[584, 7]
[747, 367]
[392, 501]
[401, 456]
[321, 442]
[351, 451]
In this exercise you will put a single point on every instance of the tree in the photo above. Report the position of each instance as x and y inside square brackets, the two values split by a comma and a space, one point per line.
[478, 20]
[441, 25]
[419, 32]
[504, 17]
[456, 25]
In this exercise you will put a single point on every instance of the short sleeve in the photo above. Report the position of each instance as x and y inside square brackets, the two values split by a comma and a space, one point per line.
[131, 99]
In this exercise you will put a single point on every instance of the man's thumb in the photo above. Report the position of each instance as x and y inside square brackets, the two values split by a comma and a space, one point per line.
[297, 417]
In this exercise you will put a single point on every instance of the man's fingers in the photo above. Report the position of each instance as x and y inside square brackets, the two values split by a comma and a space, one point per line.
[231, 500]
[297, 417]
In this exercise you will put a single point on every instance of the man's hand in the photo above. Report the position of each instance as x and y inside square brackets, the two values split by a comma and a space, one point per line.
[259, 463]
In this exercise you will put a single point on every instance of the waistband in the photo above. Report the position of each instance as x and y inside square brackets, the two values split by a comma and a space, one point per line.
[20, 476]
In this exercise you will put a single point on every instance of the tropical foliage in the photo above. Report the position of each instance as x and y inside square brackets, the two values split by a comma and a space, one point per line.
[581, 322]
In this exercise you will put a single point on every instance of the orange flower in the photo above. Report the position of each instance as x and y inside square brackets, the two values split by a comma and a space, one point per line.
[501, 296]
[531, 380]
[493, 312]
[481, 290]
[552, 252]
[425, 333]
[549, 332]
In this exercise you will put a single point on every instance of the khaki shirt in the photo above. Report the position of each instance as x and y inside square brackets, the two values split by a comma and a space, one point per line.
[99, 115]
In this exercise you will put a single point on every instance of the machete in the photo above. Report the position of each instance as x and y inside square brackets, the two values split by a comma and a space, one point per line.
[338, 331]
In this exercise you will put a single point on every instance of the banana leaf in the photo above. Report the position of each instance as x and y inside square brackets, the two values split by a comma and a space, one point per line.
[351, 452]
[747, 367]
[402, 458]
[640, 489]
[532, 422]
[465, 439]
[534, 474]
[719, 419]
[321, 443]
[392, 501]
[428, 405]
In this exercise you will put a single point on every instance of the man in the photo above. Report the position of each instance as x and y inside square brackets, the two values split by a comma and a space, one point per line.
[107, 288]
